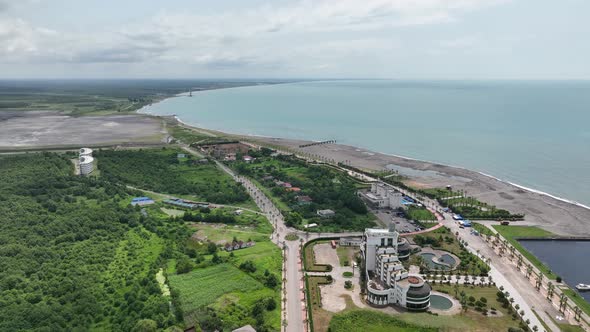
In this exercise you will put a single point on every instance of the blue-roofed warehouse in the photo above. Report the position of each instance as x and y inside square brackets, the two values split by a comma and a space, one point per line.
[142, 201]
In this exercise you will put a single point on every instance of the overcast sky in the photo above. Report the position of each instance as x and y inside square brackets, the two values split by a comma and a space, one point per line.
[411, 39]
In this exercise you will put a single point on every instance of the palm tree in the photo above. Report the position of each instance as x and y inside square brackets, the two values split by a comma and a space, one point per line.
[562, 302]
[529, 270]
[577, 313]
[539, 281]
[512, 249]
[550, 289]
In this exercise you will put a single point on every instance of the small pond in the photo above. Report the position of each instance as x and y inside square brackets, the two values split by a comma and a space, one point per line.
[445, 258]
[440, 302]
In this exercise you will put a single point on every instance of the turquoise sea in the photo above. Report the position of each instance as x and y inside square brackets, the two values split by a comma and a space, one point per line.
[534, 134]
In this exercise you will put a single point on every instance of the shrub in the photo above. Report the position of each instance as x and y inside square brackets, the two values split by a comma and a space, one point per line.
[271, 304]
[248, 266]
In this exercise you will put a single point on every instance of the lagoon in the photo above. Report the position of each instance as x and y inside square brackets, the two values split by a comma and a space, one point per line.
[568, 259]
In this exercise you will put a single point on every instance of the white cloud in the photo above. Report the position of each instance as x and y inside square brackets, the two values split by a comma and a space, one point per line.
[262, 37]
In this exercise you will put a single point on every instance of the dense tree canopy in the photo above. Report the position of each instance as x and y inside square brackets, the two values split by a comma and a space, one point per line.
[59, 249]
[162, 171]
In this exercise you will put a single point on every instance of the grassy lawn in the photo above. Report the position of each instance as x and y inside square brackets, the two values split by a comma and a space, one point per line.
[173, 212]
[419, 213]
[512, 233]
[580, 301]
[482, 229]
[346, 254]
[372, 321]
[203, 286]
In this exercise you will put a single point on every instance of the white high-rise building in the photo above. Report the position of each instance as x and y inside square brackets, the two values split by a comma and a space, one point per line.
[388, 282]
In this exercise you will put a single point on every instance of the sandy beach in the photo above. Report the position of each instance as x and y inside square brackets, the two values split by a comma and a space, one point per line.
[560, 217]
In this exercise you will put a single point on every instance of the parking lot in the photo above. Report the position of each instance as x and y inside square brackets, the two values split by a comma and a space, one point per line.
[402, 225]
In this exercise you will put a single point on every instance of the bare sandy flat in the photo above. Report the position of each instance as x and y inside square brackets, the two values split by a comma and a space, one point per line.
[44, 129]
[557, 216]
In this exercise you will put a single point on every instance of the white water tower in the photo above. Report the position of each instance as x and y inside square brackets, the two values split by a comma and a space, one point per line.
[85, 152]
[86, 161]
[86, 165]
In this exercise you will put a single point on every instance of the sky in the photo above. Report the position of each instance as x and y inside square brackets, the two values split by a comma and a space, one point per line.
[398, 39]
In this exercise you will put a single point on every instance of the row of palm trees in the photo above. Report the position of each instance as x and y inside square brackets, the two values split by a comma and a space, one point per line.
[505, 249]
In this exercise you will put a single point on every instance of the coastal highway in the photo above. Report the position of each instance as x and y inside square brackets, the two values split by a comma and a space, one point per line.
[294, 314]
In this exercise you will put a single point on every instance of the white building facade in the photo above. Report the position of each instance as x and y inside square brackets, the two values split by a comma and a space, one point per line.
[383, 195]
[388, 282]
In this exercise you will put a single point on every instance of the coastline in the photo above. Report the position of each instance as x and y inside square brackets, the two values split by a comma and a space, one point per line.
[557, 214]
[255, 136]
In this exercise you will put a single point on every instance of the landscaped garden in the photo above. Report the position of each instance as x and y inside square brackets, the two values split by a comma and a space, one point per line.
[444, 239]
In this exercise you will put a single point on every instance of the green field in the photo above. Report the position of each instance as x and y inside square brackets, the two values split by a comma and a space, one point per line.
[203, 286]
[372, 321]
[225, 289]
[512, 233]
[418, 213]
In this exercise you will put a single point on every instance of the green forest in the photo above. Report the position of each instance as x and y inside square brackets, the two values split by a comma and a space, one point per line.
[59, 235]
[74, 255]
[162, 171]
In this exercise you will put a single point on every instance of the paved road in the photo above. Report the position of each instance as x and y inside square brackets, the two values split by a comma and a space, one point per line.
[294, 311]
[502, 273]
